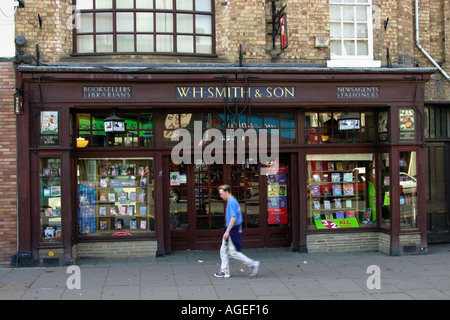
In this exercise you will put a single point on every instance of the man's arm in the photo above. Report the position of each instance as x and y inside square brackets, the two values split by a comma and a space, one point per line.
[230, 225]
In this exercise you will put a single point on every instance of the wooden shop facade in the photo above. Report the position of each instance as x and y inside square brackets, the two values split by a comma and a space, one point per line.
[320, 160]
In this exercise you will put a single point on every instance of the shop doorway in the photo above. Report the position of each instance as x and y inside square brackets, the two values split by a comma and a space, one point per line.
[197, 213]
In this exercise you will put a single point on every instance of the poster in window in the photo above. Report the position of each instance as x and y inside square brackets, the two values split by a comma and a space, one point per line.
[283, 32]
[49, 131]
[406, 125]
[277, 205]
[383, 126]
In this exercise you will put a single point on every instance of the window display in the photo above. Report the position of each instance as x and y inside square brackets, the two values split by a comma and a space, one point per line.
[385, 191]
[50, 199]
[408, 190]
[341, 192]
[115, 196]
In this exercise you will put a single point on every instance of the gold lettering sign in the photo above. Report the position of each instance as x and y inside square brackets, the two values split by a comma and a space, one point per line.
[358, 92]
[98, 92]
[235, 92]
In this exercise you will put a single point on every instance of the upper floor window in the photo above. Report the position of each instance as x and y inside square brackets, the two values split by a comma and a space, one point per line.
[351, 34]
[144, 26]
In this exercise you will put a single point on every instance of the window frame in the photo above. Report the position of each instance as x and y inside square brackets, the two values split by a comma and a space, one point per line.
[355, 60]
[114, 33]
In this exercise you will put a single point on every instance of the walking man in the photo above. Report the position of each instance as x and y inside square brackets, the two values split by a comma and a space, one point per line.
[232, 237]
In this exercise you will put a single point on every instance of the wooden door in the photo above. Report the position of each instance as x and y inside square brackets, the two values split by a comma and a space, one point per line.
[438, 190]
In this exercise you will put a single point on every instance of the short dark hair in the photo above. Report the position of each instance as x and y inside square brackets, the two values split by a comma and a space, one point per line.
[225, 188]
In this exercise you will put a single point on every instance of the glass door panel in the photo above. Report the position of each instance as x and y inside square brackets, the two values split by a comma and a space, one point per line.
[178, 197]
[209, 207]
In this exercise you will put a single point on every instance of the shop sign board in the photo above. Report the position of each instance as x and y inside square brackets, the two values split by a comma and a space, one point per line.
[407, 125]
[235, 92]
[358, 92]
[49, 132]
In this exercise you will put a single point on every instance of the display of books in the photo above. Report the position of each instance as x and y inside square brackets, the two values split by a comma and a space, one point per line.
[120, 193]
[335, 191]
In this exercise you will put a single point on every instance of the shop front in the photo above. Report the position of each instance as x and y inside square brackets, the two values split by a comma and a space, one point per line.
[128, 163]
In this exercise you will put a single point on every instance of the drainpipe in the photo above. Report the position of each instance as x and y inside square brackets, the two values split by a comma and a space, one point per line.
[421, 48]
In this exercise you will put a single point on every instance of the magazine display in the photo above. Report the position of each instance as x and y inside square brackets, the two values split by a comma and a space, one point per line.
[334, 193]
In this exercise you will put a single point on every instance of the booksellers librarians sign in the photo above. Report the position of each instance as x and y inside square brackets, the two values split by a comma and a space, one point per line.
[337, 223]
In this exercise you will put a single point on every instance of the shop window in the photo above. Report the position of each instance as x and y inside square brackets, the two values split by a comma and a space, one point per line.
[385, 190]
[115, 196]
[322, 127]
[437, 123]
[408, 190]
[341, 191]
[284, 123]
[90, 128]
[144, 26]
[50, 199]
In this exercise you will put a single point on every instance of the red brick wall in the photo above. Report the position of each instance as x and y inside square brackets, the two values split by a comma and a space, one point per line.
[8, 164]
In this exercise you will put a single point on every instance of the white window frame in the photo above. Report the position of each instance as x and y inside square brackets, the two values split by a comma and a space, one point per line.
[355, 61]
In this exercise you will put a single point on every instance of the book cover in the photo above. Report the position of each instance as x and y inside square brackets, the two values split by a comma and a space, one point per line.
[103, 197]
[132, 196]
[327, 204]
[348, 203]
[112, 196]
[130, 210]
[337, 203]
[123, 197]
[348, 177]
[328, 215]
[348, 189]
[102, 211]
[330, 165]
[143, 210]
[113, 211]
[316, 215]
[337, 190]
[339, 166]
[316, 177]
[335, 177]
[317, 165]
[143, 225]
[122, 210]
[316, 204]
[104, 183]
[315, 190]
[339, 215]
[118, 225]
[351, 214]
[103, 225]
[366, 215]
[141, 196]
[133, 224]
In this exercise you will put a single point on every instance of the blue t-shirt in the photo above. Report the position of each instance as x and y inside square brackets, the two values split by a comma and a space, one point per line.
[233, 210]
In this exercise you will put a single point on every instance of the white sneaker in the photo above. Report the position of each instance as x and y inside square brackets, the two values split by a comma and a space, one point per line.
[221, 274]
[254, 269]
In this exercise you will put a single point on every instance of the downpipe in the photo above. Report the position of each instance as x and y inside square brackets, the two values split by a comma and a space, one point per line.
[421, 48]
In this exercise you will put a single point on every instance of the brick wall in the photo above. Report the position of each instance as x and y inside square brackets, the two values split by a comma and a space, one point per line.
[119, 249]
[8, 164]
